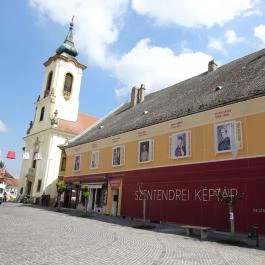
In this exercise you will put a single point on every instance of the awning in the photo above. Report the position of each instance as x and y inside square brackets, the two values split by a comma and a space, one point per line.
[93, 185]
[115, 183]
[85, 178]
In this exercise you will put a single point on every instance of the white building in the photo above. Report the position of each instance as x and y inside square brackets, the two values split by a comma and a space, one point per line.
[10, 184]
[56, 121]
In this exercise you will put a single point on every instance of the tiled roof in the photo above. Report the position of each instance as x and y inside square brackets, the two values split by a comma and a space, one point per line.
[5, 174]
[12, 182]
[83, 122]
[240, 80]
[9, 179]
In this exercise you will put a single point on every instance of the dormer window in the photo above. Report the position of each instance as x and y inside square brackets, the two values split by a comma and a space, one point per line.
[68, 82]
[42, 113]
[48, 84]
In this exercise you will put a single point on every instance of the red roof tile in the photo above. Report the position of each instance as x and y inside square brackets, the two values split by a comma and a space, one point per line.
[5, 174]
[11, 182]
[9, 179]
[83, 122]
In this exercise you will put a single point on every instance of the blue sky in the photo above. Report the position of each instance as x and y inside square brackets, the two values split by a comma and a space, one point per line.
[123, 43]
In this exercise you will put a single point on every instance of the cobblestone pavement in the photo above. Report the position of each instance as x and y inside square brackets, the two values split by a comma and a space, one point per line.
[37, 236]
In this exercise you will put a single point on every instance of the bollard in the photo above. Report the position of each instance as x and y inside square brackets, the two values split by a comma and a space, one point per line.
[254, 234]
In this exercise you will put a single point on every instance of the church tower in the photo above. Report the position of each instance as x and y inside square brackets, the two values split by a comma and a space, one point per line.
[56, 120]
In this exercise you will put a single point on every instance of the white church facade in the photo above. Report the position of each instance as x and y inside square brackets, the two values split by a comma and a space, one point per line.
[56, 121]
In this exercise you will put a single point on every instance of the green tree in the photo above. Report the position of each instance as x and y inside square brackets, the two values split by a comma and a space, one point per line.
[2, 164]
[2, 168]
[85, 194]
[61, 187]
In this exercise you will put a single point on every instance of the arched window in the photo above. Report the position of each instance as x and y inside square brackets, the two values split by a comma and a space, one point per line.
[42, 113]
[48, 84]
[68, 82]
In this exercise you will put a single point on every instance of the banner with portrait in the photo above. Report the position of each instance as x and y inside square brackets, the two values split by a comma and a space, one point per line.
[118, 156]
[77, 163]
[180, 145]
[228, 137]
[145, 151]
[94, 159]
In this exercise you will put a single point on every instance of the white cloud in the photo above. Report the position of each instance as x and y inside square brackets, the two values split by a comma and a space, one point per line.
[217, 45]
[157, 67]
[97, 26]
[254, 12]
[97, 23]
[232, 38]
[3, 127]
[259, 32]
[191, 13]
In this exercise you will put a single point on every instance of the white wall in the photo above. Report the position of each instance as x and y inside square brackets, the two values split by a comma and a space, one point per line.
[48, 170]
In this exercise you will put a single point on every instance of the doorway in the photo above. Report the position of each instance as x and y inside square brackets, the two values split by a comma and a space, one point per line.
[29, 188]
[91, 201]
[115, 200]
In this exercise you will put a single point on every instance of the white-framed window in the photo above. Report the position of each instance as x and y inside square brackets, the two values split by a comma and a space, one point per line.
[77, 164]
[118, 156]
[145, 151]
[68, 84]
[94, 159]
[228, 137]
[180, 145]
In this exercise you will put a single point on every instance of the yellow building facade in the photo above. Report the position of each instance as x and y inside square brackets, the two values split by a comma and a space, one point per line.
[176, 165]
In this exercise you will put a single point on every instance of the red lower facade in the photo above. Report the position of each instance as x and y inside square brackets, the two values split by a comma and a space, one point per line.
[185, 194]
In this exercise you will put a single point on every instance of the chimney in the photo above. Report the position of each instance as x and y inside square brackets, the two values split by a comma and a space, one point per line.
[134, 96]
[141, 93]
[212, 66]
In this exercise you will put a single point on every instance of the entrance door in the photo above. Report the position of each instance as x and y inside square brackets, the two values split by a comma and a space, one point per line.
[91, 202]
[67, 198]
[115, 199]
[29, 188]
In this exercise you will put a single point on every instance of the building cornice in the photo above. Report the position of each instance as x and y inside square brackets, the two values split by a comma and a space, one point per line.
[64, 58]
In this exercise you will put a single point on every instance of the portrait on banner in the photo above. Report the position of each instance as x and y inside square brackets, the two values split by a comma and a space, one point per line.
[77, 163]
[145, 151]
[180, 145]
[94, 159]
[118, 156]
[225, 137]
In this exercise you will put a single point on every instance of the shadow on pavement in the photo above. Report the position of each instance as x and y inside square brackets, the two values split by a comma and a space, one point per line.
[240, 240]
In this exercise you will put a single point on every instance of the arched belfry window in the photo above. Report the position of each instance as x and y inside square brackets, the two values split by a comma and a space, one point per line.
[48, 84]
[42, 113]
[68, 83]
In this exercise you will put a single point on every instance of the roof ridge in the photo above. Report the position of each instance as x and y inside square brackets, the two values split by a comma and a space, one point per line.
[240, 80]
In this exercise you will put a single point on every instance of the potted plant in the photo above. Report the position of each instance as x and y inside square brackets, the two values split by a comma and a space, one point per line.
[61, 187]
[85, 194]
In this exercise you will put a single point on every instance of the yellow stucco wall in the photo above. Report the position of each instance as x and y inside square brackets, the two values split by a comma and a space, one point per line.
[201, 127]
[109, 200]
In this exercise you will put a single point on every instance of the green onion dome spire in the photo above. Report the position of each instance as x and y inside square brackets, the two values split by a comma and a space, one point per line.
[68, 46]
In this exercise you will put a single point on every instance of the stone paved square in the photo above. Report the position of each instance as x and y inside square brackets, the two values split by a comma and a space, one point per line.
[40, 237]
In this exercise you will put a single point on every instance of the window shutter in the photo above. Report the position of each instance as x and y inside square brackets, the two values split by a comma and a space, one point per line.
[97, 165]
[151, 143]
[188, 144]
[112, 157]
[170, 148]
[122, 155]
[138, 153]
[91, 159]
[239, 137]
